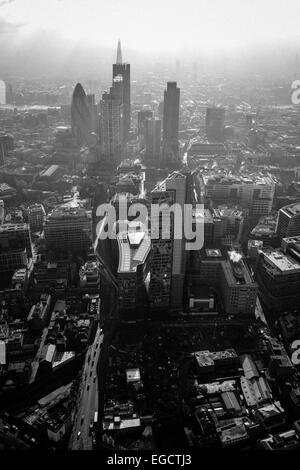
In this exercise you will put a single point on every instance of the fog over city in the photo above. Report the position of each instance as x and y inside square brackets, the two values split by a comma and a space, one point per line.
[59, 37]
[150, 230]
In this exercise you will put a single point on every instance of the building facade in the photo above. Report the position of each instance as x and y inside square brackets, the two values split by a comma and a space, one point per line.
[123, 69]
[111, 122]
[171, 122]
[68, 229]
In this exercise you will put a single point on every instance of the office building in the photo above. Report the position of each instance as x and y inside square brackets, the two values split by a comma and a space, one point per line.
[68, 229]
[123, 69]
[254, 192]
[228, 225]
[36, 217]
[288, 221]
[152, 140]
[142, 116]
[80, 116]
[265, 231]
[171, 123]
[89, 275]
[239, 291]
[37, 318]
[6, 145]
[12, 260]
[215, 123]
[111, 122]
[133, 268]
[278, 276]
[93, 111]
[2, 92]
[66, 149]
[15, 237]
[168, 254]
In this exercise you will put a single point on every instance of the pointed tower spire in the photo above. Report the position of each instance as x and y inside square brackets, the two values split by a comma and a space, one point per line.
[119, 53]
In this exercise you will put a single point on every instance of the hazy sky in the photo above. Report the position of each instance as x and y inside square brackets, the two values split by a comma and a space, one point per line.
[154, 26]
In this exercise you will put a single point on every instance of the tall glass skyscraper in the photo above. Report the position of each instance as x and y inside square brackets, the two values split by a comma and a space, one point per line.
[171, 122]
[80, 116]
[111, 121]
[120, 68]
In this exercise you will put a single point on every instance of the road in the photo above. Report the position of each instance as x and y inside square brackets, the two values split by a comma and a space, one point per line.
[88, 401]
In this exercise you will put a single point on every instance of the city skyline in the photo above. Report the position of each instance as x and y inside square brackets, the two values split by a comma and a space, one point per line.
[149, 229]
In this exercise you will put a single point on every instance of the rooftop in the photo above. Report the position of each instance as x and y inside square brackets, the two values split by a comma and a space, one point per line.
[134, 248]
[280, 261]
[228, 178]
[292, 210]
[237, 272]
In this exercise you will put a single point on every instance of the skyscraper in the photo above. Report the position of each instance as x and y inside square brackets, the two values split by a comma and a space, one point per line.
[171, 122]
[119, 53]
[123, 69]
[111, 121]
[168, 255]
[152, 134]
[142, 116]
[93, 109]
[80, 116]
[6, 145]
[214, 122]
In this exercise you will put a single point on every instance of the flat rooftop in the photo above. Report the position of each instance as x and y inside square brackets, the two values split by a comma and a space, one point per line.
[49, 171]
[134, 248]
[229, 178]
[237, 273]
[162, 186]
[280, 261]
[5, 228]
[292, 210]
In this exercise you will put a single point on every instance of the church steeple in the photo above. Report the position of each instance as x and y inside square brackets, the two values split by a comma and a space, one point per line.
[119, 53]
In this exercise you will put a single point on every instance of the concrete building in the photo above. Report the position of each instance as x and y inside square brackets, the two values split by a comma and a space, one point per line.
[68, 229]
[66, 149]
[278, 276]
[36, 217]
[288, 221]
[254, 192]
[227, 225]
[89, 275]
[142, 116]
[37, 318]
[12, 260]
[215, 123]
[15, 237]
[239, 291]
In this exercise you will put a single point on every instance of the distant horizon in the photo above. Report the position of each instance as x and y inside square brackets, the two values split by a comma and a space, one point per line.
[50, 37]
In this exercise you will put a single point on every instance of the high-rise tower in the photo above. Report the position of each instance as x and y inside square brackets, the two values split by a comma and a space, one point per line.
[152, 140]
[111, 121]
[168, 255]
[123, 69]
[119, 53]
[171, 122]
[80, 116]
[215, 123]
